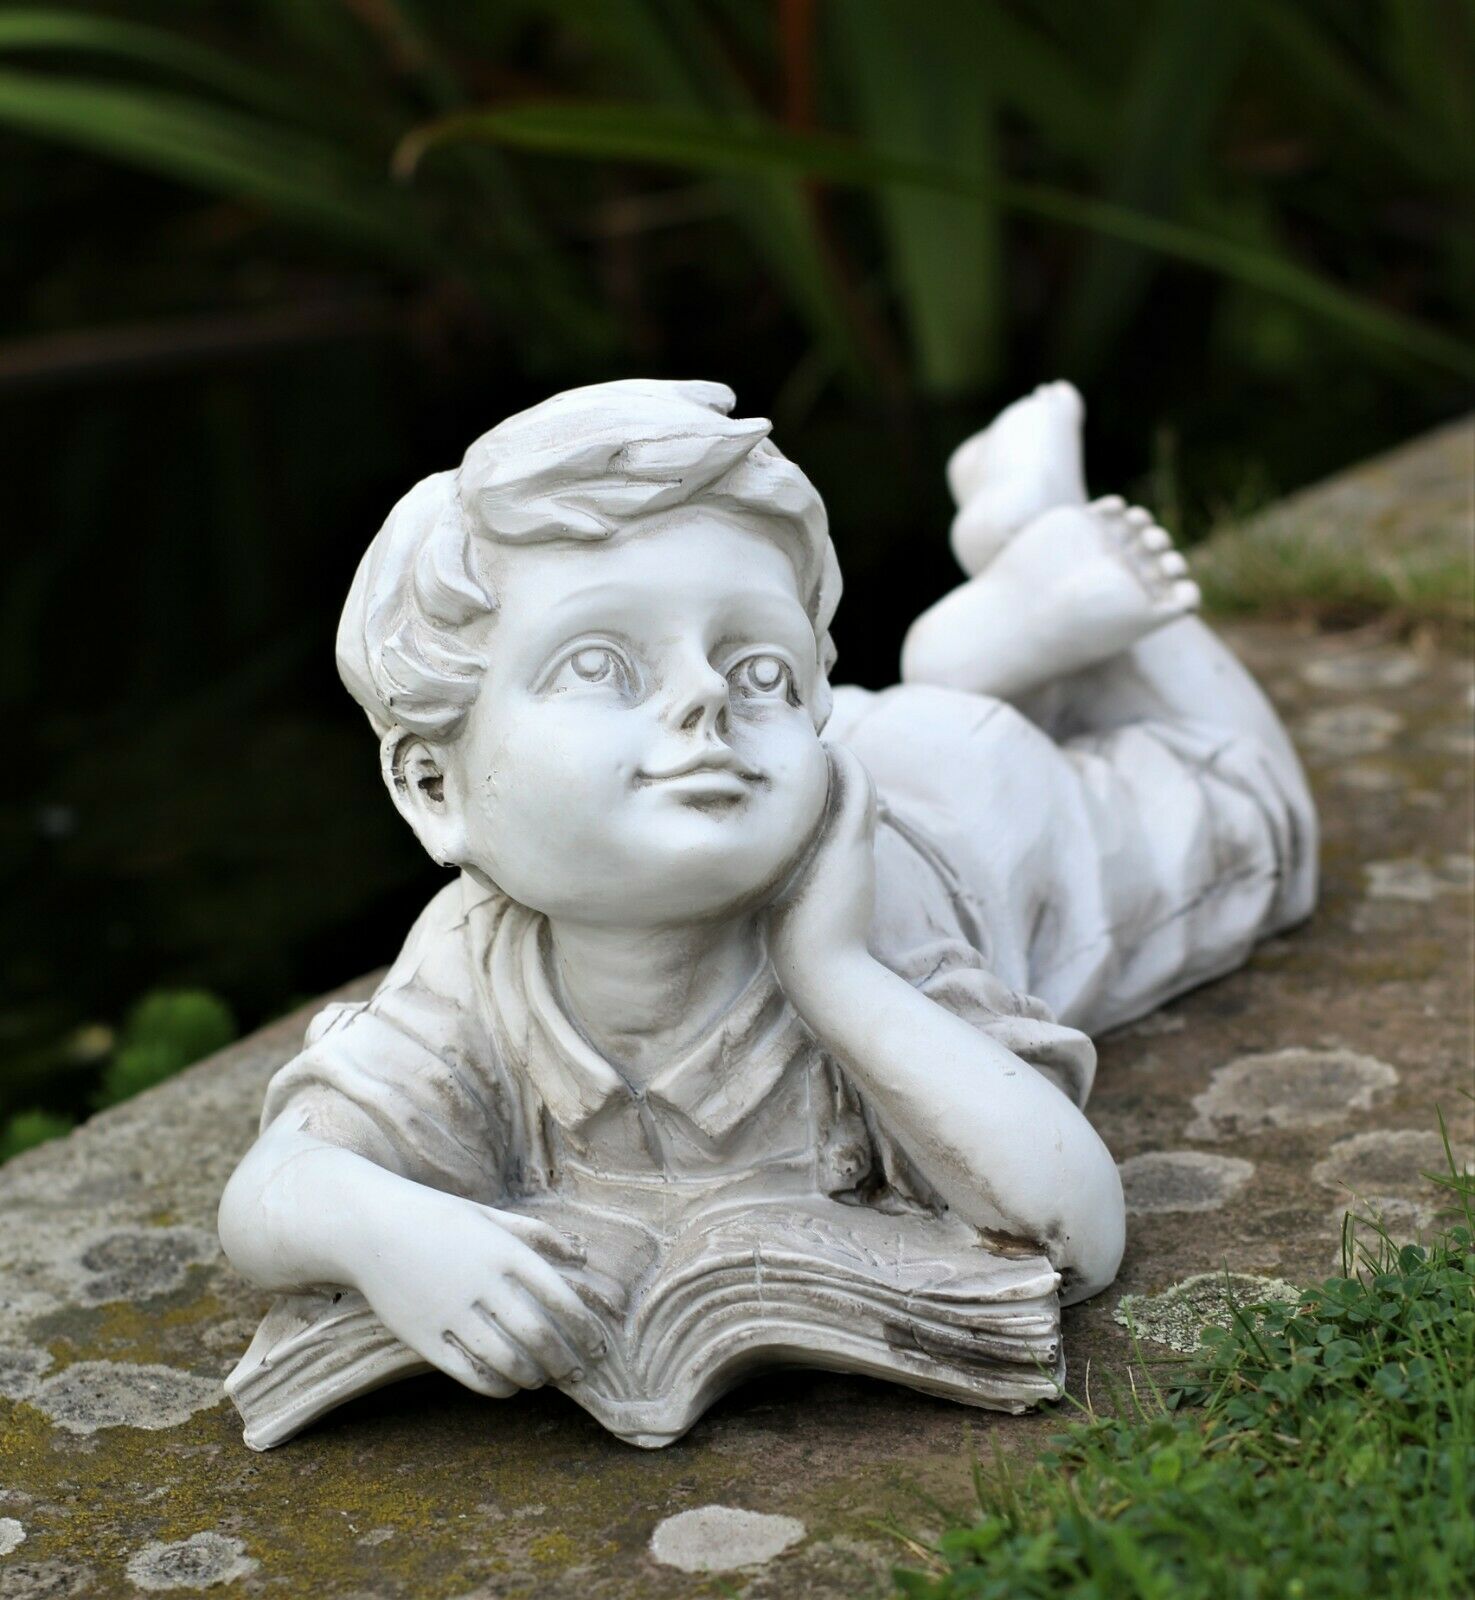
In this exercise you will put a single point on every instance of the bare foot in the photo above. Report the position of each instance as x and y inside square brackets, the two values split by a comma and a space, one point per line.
[1076, 587]
[1026, 462]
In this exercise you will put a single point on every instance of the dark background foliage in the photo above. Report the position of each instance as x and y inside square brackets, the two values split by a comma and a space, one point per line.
[263, 263]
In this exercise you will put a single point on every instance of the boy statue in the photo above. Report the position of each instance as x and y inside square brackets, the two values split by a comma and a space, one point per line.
[754, 1026]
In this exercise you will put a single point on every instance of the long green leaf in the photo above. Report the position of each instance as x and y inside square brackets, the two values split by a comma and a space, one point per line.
[1182, 73]
[1030, 74]
[668, 52]
[217, 149]
[918, 93]
[1365, 109]
[702, 143]
[1431, 56]
[27, 28]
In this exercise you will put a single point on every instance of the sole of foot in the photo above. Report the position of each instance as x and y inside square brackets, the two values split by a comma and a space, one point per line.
[1072, 590]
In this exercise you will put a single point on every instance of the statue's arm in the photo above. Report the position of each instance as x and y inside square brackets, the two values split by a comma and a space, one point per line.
[300, 1211]
[474, 1290]
[997, 1140]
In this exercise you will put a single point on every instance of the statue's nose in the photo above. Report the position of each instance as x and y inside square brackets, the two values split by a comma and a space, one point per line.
[700, 704]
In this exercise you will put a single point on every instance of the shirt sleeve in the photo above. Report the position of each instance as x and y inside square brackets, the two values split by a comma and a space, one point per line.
[952, 973]
[406, 1079]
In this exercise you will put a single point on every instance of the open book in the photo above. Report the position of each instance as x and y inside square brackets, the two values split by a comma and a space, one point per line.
[803, 1283]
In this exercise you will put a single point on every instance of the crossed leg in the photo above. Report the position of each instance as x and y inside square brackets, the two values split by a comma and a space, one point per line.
[1077, 613]
[1073, 588]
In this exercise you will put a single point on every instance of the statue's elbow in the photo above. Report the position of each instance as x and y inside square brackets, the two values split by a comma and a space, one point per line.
[239, 1202]
[1092, 1254]
[243, 1219]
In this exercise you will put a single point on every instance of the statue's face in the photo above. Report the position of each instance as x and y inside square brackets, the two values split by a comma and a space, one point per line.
[642, 749]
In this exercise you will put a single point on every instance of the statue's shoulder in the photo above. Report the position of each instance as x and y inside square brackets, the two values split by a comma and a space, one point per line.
[435, 974]
[443, 930]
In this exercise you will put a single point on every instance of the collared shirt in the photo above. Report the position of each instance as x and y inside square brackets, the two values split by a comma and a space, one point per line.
[1103, 874]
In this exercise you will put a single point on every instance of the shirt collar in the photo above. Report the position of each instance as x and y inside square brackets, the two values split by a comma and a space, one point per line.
[723, 1078]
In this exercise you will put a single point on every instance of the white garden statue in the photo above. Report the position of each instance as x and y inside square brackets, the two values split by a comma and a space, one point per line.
[752, 1029]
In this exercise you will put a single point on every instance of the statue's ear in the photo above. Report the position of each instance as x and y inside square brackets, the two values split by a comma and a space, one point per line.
[415, 775]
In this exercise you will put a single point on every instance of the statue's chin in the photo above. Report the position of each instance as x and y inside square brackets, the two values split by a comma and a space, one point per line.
[665, 900]
[660, 878]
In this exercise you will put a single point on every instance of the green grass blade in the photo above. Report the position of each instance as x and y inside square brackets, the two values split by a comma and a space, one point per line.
[917, 93]
[1028, 73]
[1324, 69]
[757, 148]
[670, 52]
[26, 28]
[213, 148]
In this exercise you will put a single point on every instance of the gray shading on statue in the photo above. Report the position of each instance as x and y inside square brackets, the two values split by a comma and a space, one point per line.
[753, 1028]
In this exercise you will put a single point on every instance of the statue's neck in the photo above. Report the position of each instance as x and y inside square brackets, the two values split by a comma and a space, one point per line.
[644, 996]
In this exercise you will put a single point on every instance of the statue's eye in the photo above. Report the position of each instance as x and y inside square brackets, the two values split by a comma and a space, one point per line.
[763, 678]
[594, 664]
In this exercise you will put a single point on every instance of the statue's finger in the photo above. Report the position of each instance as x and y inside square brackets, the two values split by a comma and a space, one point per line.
[546, 1240]
[459, 1363]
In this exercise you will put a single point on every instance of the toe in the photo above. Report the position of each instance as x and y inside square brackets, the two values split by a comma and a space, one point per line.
[1109, 505]
[1186, 595]
[1155, 539]
[1172, 565]
[1138, 518]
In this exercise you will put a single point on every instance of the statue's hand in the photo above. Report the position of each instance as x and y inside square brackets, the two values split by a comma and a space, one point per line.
[823, 916]
[473, 1291]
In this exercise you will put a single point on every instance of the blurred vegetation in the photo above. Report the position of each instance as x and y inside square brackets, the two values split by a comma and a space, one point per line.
[265, 262]
[164, 1033]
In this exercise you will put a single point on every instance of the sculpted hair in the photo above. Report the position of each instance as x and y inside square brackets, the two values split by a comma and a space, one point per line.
[578, 467]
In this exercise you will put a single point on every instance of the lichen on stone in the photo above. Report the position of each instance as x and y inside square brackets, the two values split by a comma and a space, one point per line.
[1336, 732]
[1384, 1162]
[722, 1539]
[140, 1263]
[1361, 670]
[198, 1562]
[89, 1395]
[1178, 1316]
[1182, 1180]
[21, 1369]
[47, 1580]
[1294, 1088]
[1411, 878]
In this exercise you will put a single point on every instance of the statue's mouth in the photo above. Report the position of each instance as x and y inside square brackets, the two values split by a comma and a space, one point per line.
[698, 784]
[713, 768]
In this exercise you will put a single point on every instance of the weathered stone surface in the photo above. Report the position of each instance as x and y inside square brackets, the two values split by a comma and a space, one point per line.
[1385, 1161]
[1391, 534]
[108, 1266]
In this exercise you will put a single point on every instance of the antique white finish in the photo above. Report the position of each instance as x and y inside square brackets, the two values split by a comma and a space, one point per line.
[753, 1028]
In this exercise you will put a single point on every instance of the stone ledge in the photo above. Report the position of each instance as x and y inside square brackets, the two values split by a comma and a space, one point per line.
[1394, 535]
